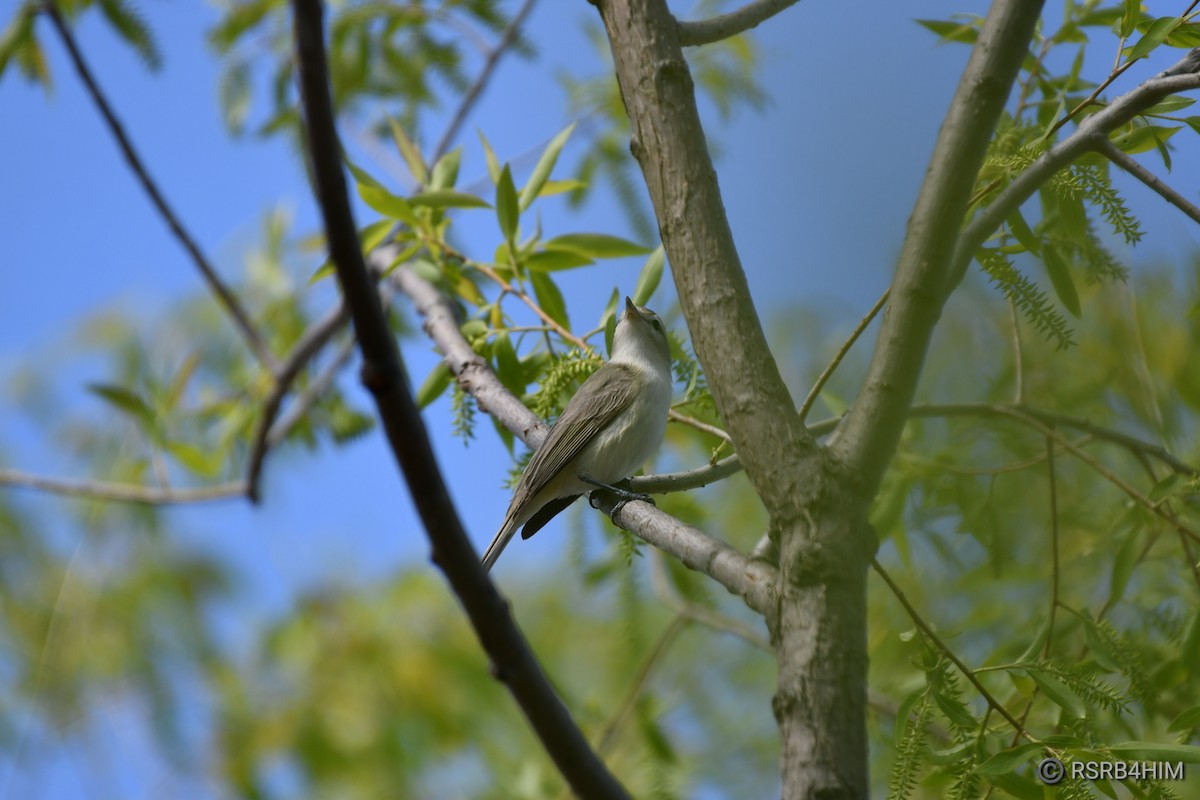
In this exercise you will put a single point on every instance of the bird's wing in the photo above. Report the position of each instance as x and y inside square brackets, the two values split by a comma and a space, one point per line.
[612, 388]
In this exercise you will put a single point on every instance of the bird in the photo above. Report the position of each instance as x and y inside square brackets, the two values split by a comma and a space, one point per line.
[610, 426]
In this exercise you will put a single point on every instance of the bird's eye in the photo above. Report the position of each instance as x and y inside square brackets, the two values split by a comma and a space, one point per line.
[657, 325]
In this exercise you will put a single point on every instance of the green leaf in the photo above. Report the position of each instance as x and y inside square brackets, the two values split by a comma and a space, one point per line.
[1144, 138]
[541, 172]
[508, 366]
[555, 260]
[1131, 12]
[1021, 230]
[1060, 278]
[434, 385]
[1123, 565]
[1060, 693]
[951, 755]
[445, 171]
[549, 298]
[1170, 105]
[1008, 761]
[123, 400]
[597, 245]
[1018, 786]
[559, 187]
[409, 152]
[1186, 721]
[130, 26]
[493, 166]
[507, 206]
[17, 34]
[1154, 751]
[951, 31]
[447, 198]
[649, 277]
[205, 463]
[955, 710]
[1153, 37]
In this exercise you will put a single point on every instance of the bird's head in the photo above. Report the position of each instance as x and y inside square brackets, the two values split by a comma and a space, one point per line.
[641, 336]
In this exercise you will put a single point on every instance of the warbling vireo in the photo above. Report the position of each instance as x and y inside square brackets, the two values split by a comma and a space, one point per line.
[607, 431]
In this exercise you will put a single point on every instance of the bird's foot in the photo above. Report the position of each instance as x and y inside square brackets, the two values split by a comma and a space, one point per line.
[621, 490]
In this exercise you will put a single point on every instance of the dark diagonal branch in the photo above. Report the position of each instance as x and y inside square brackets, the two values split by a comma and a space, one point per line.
[868, 437]
[312, 341]
[485, 75]
[723, 26]
[383, 375]
[224, 294]
[1183, 75]
[1131, 165]
[120, 492]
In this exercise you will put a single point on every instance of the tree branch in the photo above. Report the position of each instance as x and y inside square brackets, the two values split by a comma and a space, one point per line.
[383, 374]
[121, 492]
[224, 294]
[825, 375]
[867, 439]
[726, 331]
[485, 75]
[308, 345]
[1177, 78]
[723, 26]
[1131, 165]
[748, 579]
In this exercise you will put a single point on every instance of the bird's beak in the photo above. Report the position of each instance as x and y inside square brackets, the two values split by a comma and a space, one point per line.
[630, 309]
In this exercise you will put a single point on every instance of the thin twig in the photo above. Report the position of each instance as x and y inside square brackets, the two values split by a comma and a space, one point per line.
[311, 393]
[934, 639]
[476, 90]
[1054, 573]
[1018, 361]
[714, 29]
[807, 405]
[224, 294]
[121, 492]
[700, 425]
[1179, 77]
[1105, 472]
[520, 294]
[1134, 168]
[665, 639]
[383, 374]
[302, 352]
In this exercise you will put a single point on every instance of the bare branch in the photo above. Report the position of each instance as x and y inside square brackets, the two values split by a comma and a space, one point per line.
[723, 26]
[1183, 75]
[302, 352]
[936, 641]
[312, 393]
[1131, 165]
[867, 439]
[383, 375]
[224, 294]
[485, 75]
[823, 378]
[121, 492]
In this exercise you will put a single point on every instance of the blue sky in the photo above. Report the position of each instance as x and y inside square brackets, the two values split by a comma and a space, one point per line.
[856, 99]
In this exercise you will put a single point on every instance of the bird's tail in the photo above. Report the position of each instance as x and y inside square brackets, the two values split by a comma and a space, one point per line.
[500, 541]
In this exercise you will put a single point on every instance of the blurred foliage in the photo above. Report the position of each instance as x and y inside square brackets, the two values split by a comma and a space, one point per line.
[380, 689]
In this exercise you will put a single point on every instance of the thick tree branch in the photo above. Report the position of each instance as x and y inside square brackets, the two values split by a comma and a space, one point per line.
[224, 294]
[1131, 165]
[723, 26]
[872, 428]
[751, 580]
[669, 143]
[383, 375]
[1183, 75]
[121, 492]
